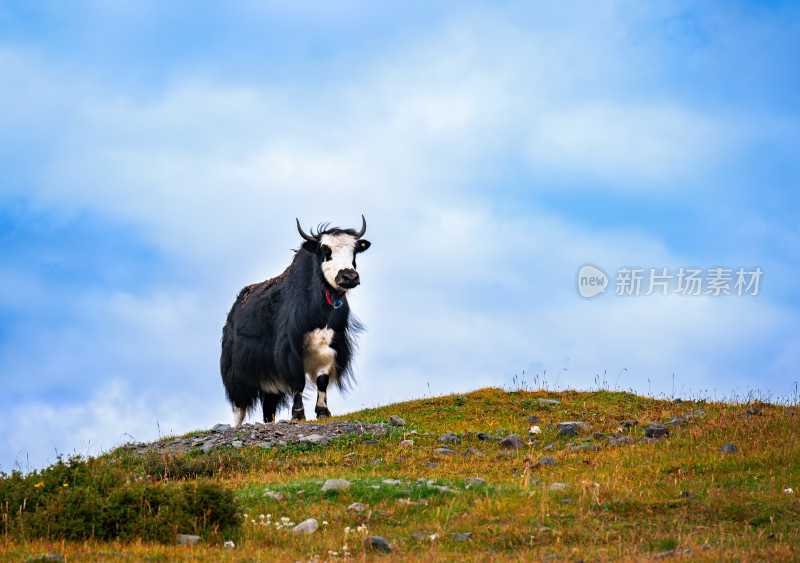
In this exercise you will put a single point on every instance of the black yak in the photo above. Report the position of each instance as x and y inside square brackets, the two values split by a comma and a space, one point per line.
[295, 325]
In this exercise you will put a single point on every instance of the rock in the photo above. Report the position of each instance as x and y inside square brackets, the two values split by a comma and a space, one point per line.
[335, 485]
[627, 424]
[753, 411]
[533, 419]
[729, 449]
[546, 460]
[306, 527]
[648, 440]
[377, 543]
[475, 482]
[590, 448]
[220, 427]
[237, 444]
[370, 442]
[511, 442]
[675, 420]
[472, 451]
[485, 436]
[549, 402]
[208, 446]
[357, 507]
[577, 424]
[187, 539]
[48, 557]
[557, 486]
[265, 445]
[549, 447]
[315, 439]
[535, 430]
[656, 430]
[534, 481]
[419, 536]
[566, 432]
[273, 495]
[406, 443]
[463, 536]
[431, 464]
[391, 482]
[615, 440]
[444, 451]
[229, 545]
[687, 494]
[449, 439]
[395, 420]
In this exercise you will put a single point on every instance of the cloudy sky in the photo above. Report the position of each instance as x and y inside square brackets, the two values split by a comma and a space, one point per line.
[154, 157]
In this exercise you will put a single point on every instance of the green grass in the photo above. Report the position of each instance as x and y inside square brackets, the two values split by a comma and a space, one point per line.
[626, 503]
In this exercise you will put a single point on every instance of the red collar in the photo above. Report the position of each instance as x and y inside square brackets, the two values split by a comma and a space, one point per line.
[335, 304]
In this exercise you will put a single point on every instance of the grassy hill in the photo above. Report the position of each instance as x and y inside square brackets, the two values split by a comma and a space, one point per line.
[629, 499]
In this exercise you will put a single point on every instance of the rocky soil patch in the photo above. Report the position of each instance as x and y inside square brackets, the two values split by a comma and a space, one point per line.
[264, 435]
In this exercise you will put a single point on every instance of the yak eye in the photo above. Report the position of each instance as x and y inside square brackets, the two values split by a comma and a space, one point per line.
[326, 251]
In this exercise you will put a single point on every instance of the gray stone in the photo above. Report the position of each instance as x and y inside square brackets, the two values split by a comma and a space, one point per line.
[656, 430]
[187, 539]
[511, 442]
[391, 482]
[675, 420]
[753, 411]
[265, 445]
[444, 451]
[549, 447]
[463, 536]
[535, 481]
[306, 526]
[648, 440]
[485, 436]
[406, 443]
[315, 439]
[626, 424]
[598, 435]
[237, 444]
[377, 543]
[431, 464]
[549, 402]
[546, 460]
[449, 439]
[419, 536]
[615, 440]
[208, 446]
[729, 449]
[277, 497]
[577, 424]
[220, 427]
[395, 420]
[472, 451]
[533, 419]
[566, 432]
[557, 486]
[370, 442]
[335, 485]
[357, 507]
[476, 482]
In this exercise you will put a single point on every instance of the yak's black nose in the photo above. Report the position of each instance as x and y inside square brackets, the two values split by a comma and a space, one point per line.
[347, 278]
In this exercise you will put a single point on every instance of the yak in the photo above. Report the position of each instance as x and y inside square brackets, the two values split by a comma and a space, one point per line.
[294, 326]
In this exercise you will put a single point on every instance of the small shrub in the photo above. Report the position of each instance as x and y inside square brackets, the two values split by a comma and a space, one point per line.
[80, 499]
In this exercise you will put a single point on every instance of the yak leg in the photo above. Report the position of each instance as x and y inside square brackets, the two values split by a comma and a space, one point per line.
[298, 411]
[238, 415]
[269, 404]
[322, 397]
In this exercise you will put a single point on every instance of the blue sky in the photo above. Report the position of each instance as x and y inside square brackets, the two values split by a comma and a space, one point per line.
[155, 156]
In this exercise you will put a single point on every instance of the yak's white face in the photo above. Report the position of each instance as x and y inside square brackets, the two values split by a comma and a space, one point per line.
[339, 265]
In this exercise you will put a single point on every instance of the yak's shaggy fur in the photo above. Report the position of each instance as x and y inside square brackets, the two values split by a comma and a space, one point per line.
[265, 336]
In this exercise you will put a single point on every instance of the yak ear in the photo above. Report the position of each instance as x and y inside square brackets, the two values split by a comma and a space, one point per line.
[310, 246]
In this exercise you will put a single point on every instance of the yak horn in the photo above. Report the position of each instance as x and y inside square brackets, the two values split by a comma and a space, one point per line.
[309, 238]
[363, 230]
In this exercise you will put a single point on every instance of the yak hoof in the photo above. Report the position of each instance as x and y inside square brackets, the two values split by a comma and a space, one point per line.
[322, 413]
[298, 415]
